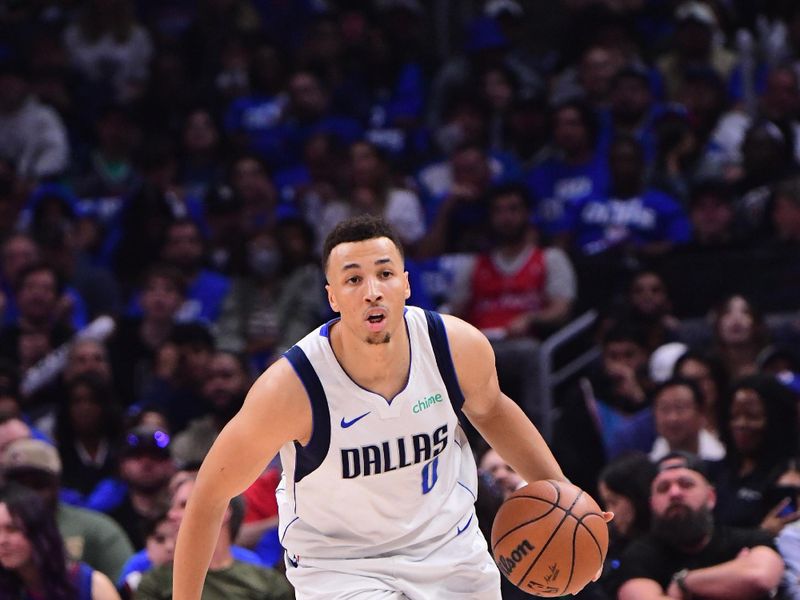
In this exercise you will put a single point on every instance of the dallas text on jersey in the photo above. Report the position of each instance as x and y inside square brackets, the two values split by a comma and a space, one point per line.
[395, 454]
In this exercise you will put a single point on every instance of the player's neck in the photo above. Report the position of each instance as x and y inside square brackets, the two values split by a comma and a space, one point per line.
[381, 368]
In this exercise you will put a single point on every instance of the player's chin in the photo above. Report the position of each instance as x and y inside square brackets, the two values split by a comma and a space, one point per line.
[381, 337]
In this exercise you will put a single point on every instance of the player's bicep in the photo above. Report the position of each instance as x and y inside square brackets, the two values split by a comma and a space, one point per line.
[473, 359]
[275, 411]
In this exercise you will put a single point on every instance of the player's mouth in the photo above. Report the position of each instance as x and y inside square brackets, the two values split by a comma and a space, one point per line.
[376, 319]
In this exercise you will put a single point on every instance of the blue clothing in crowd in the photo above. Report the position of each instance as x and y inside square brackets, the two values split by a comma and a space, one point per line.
[600, 224]
[556, 185]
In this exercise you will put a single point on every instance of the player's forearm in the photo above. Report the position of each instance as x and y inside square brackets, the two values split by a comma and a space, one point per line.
[197, 538]
[517, 440]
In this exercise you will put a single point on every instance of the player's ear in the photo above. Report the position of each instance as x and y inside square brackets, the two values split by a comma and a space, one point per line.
[331, 298]
[407, 286]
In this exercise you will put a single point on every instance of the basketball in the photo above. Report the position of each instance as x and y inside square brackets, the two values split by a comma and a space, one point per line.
[549, 538]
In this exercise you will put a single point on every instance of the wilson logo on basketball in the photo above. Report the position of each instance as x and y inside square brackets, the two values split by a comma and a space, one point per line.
[507, 563]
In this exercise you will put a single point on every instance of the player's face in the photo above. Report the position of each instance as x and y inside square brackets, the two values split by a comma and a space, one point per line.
[677, 491]
[368, 287]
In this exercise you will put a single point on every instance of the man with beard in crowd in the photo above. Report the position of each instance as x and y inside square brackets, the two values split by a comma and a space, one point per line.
[685, 555]
[224, 391]
[146, 466]
[516, 293]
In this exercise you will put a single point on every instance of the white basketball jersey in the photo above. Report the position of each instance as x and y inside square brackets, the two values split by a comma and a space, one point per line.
[377, 476]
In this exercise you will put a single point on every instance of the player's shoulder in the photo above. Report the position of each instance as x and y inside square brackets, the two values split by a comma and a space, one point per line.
[457, 327]
[467, 342]
[279, 380]
[278, 396]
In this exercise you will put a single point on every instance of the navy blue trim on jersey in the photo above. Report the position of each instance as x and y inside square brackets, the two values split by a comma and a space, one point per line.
[283, 535]
[471, 493]
[444, 360]
[310, 456]
[325, 330]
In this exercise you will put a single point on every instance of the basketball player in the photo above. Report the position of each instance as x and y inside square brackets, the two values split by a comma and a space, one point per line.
[376, 501]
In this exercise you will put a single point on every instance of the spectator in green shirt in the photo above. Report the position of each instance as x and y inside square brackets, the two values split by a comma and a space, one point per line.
[89, 536]
[228, 578]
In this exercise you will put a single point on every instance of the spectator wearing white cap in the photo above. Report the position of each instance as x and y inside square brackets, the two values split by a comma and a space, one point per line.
[663, 360]
[89, 536]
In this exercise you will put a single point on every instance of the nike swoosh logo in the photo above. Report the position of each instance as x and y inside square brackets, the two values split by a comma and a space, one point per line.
[461, 530]
[345, 423]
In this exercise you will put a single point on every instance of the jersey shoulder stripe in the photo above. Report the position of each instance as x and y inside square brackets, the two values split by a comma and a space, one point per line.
[310, 456]
[444, 360]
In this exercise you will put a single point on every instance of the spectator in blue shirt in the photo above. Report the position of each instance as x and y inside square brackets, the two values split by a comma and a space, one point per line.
[251, 119]
[386, 91]
[633, 106]
[631, 216]
[459, 215]
[466, 124]
[309, 112]
[201, 152]
[206, 289]
[575, 171]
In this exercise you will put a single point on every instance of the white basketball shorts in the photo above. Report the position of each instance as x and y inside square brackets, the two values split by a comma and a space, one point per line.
[459, 569]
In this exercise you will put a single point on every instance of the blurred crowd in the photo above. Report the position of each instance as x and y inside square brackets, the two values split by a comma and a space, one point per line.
[169, 170]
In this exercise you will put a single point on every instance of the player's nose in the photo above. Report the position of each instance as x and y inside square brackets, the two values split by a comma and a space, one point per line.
[372, 291]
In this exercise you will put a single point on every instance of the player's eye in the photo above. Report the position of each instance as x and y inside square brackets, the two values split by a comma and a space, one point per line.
[354, 279]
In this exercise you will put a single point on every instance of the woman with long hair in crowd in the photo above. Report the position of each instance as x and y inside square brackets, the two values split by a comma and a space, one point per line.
[89, 425]
[710, 377]
[624, 488]
[739, 335]
[758, 425]
[33, 563]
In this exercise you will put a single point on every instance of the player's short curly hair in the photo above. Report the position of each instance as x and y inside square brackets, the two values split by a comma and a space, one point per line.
[358, 229]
